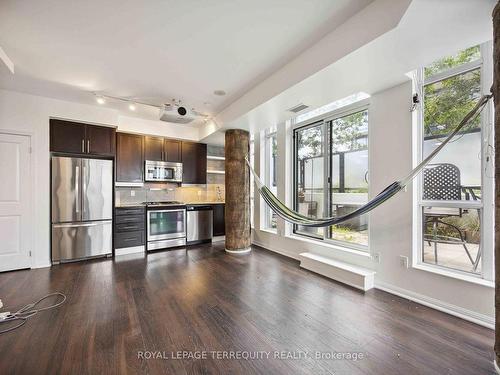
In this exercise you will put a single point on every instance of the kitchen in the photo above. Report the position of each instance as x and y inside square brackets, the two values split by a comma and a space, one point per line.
[117, 193]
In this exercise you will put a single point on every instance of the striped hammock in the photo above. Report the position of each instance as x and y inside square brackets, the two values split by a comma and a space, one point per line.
[296, 218]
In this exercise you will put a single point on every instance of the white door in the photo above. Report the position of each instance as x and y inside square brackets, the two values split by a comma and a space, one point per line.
[15, 217]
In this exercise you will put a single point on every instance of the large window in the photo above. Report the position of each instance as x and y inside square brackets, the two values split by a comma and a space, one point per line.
[331, 175]
[270, 169]
[349, 176]
[453, 226]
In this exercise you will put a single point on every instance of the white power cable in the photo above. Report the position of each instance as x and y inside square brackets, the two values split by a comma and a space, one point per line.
[26, 312]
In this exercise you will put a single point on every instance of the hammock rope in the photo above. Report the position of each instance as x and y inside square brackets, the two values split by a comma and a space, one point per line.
[296, 218]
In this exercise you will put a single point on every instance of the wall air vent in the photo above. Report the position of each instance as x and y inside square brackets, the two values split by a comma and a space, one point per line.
[298, 108]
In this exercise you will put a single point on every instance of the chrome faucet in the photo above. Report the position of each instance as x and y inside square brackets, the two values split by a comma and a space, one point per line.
[219, 193]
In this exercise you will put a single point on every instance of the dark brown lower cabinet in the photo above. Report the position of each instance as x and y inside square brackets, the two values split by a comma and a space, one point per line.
[219, 226]
[130, 227]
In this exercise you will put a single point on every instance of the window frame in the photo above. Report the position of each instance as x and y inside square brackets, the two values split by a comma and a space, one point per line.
[251, 151]
[324, 121]
[269, 134]
[486, 210]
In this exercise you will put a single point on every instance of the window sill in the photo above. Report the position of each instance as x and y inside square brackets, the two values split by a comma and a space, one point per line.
[454, 275]
[345, 249]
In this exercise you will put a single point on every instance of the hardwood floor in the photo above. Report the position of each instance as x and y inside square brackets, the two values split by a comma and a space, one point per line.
[206, 300]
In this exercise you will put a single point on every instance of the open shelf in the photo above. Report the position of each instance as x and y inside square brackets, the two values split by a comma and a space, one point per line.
[216, 157]
[216, 172]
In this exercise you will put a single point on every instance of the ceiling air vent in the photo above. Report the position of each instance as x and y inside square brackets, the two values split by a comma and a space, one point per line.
[298, 108]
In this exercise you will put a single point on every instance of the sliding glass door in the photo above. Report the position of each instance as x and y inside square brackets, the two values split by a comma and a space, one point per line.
[331, 176]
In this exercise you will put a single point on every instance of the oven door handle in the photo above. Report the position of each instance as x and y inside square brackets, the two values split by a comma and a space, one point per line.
[172, 210]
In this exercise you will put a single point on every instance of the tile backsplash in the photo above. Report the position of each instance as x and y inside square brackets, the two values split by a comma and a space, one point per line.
[213, 191]
[157, 192]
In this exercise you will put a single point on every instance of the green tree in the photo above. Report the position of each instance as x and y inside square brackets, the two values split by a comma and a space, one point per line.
[447, 101]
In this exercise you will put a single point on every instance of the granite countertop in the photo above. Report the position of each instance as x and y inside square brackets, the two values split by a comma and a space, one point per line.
[125, 205]
[207, 202]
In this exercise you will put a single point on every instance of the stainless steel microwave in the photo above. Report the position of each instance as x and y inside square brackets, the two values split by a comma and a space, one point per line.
[163, 171]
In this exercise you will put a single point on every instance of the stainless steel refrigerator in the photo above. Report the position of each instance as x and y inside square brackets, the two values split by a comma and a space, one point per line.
[82, 208]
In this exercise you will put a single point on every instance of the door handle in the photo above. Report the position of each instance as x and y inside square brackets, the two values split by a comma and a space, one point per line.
[84, 190]
[94, 224]
[88, 146]
[83, 145]
[77, 188]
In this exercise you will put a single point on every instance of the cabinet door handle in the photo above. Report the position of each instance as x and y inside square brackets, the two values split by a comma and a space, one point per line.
[88, 145]
[129, 239]
[83, 145]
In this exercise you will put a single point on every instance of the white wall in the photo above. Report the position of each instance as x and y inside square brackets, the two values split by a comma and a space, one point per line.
[390, 127]
[30, 114]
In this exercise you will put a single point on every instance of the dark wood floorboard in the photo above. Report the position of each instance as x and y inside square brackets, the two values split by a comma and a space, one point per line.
[203, 299]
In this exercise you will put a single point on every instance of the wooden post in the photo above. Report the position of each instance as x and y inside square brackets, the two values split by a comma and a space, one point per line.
[496, 93]
[237, 191]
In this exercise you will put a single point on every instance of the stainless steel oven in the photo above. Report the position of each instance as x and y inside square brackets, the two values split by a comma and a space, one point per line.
[166, 227]
[162, 171]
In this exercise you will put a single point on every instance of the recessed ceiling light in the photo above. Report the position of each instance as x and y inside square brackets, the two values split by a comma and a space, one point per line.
[100, 100]
[131, 106]
[219, 92]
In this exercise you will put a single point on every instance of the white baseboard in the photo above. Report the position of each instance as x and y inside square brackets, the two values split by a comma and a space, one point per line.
[275, 250]
[43, 265]
[218, 238]
[460, 312]
[239, 251]
[129, 250]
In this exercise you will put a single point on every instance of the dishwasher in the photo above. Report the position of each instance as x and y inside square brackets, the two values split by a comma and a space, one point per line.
[199, 224]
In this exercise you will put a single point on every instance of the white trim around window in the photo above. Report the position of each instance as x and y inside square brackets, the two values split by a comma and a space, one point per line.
[324, 121]
[485, 206]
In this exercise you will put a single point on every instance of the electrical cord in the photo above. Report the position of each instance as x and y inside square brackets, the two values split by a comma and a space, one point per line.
[23, 314]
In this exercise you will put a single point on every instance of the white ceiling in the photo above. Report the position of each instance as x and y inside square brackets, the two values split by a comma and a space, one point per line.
[158, 50]
[428, 29]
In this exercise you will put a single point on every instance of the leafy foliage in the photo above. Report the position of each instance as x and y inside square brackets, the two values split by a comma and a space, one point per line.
[447, 101]
[310, 143]
[462, 57]
[349, 132]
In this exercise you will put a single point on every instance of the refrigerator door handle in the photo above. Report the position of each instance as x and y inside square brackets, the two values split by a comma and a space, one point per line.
[75, 225]
[77, 188]
[84, 189]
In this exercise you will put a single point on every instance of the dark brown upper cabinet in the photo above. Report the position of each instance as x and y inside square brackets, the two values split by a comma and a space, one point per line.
[173, 150]
[101, 140]
[129, 157]
[67, 136]
[153, 149]
[77, 138]
[194, 163]
[160, 149]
